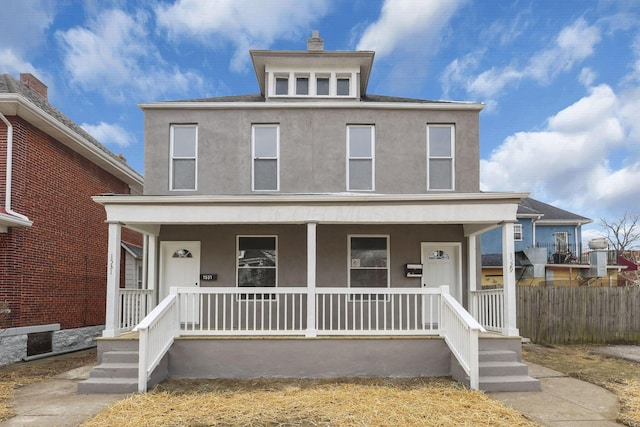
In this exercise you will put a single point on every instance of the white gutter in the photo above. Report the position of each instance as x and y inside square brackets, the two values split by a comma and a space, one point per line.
[7, 191]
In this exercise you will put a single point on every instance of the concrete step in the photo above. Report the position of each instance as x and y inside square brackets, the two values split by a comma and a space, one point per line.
[497, 356]
[509, 383]
[115, 370]
[108, 385]
[490, 369]
[120, 357]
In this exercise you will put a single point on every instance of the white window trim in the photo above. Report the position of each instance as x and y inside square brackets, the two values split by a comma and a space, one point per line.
[172, 157]
[372, 158]
[558, 243]
[452, 157]
[292, 76]
[350, 267]
[238, 237]
[254, 158]
[517, 231]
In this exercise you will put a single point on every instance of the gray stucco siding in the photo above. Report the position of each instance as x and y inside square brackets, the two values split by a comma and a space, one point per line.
[312, 148]
[218, 250]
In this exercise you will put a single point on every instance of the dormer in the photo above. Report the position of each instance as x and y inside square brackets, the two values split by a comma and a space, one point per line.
[314, 74]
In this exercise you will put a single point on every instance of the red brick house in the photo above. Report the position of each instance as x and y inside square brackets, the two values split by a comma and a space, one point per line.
[53, 250]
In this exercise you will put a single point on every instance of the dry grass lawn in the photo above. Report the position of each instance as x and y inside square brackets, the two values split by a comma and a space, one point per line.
[620, 376]
[294, 402]
[20, 374]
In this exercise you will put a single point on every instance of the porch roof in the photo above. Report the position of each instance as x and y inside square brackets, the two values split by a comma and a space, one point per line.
[477, 211]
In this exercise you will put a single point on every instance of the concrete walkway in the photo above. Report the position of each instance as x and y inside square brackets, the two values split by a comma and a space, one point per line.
[563, 401]
[55, 402]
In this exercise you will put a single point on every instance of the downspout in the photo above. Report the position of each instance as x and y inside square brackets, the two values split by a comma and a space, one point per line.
[7, 191]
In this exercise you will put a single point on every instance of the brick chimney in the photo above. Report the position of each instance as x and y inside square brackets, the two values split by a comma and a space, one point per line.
[32, 82]
[315, 43]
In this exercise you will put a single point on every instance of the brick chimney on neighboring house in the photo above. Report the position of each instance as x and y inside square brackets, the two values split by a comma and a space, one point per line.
[32, 82]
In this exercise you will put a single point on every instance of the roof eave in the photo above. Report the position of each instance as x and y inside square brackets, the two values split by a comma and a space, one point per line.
[17, 105]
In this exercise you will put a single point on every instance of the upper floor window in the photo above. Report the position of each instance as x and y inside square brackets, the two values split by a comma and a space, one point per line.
[342, 86]
[360, 157]
[282, 85]
[302, 85]
[184, 157]
[265, 152]
[517, 232]
[322, 86]
[441, 159]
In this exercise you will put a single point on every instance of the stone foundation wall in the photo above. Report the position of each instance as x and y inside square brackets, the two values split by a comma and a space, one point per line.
[13, 345]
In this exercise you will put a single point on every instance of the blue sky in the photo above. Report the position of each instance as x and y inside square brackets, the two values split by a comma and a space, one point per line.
[560, 79]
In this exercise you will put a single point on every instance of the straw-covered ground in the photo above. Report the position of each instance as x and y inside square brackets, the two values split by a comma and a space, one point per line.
[293, 402]
[584, 362]
[20, 374]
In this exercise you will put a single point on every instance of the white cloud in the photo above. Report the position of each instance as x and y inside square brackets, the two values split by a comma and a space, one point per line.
[584, 157]
[245, 24]
[14, 64]
[572, 45]
[25, 24]
[113, 55]
[587, 76]
[109, 134]
[408, 25]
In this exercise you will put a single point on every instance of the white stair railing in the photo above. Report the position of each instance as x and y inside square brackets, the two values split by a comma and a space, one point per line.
[461, 331]
[156, 334]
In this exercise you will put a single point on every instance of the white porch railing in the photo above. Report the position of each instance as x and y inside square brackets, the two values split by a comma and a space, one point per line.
[286, 311]
[487, 307]
[135, 304]
[156, 333]
[460, 332]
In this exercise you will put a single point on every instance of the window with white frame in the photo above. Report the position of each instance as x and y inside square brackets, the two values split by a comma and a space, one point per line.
[282, 85]
[257, 263]
[343, 85]
[322, 85]
[561, 242]
[184, 157]
[517, 232]
[368, 261]
[441, 160]
[360, 157]
[265, 152]
[302, 85]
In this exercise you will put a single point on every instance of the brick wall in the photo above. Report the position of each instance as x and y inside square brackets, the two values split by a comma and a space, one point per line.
[55, 271]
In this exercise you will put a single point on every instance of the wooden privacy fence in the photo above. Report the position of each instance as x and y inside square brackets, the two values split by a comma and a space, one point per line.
[566, 315]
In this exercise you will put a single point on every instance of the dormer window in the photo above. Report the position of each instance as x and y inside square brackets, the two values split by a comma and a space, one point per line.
[342, 86]
[282, 85]
[322, 86]
[302, 85]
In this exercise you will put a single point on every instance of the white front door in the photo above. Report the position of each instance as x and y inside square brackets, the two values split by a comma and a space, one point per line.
[440, 267]
[180, 266]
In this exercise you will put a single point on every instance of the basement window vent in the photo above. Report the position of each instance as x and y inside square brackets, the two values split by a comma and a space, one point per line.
[39, 343]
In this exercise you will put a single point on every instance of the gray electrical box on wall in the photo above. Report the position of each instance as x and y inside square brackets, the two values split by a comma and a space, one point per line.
[413, 270]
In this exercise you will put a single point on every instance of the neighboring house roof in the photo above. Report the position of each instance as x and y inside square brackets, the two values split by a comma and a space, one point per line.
[549, 214]
[135, 250]
[19, 99]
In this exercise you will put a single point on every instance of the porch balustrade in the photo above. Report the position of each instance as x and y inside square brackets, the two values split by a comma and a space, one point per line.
[134, 306]
[487, 307]
[232, 311]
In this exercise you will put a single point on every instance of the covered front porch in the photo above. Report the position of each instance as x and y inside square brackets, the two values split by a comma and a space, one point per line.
[318, 294]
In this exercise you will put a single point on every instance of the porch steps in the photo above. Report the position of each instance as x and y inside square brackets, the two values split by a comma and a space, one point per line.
[118, 373]
[500, 370]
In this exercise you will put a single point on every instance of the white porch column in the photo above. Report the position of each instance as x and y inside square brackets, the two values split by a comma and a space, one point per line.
[112, 323]
[311, 280]
[509, 280]
[472, 254]
[152, 262]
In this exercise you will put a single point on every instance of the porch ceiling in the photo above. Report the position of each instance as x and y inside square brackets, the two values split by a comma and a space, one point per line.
[451, 208]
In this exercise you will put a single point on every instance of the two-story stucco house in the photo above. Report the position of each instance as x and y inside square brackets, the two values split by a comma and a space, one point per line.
[313, 230]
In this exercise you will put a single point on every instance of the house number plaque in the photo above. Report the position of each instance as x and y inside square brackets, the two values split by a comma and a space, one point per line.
[209, 276]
